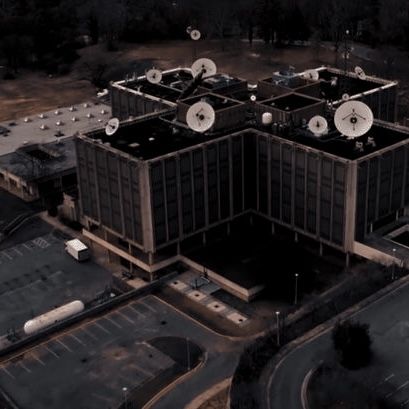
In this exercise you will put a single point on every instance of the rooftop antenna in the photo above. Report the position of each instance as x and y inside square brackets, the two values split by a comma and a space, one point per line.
[206, 65]
[353, 119]
[112, 126]
[318, 125]
[360, 73]
[312, 75]
[200, 117]
[346, 57]
[154, 76]
[195, 35]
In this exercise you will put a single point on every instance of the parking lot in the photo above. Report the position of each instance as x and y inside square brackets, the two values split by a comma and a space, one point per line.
[38, 275]
[89, 366]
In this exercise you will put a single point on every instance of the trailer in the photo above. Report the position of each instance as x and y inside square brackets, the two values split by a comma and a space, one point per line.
[77, 249]
[51, 317]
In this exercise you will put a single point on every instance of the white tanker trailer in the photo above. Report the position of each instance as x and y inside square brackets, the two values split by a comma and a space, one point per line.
[51, 317]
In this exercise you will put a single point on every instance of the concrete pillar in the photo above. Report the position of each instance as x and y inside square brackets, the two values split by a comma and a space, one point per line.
[370, 227]
[204, 238]
[397, 215]
[228, 228]
[321, 249]
[251, 220]
[178, 248]
[347, 260]
[150, 258]
[273, 228]
[296, 237]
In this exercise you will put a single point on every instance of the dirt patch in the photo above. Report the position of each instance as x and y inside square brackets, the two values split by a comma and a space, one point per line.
[32, 92]
[218, 401]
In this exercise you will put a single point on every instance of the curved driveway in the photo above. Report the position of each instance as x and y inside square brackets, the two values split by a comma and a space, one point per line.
[389, 326]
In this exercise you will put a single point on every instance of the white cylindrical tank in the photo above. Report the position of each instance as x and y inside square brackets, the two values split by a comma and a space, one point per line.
[51, 317]
[267, 118]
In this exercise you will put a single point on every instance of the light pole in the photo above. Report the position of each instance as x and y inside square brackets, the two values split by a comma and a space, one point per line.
[188, 354]
[278, 327]
[296, 289]
[393, 265]
[125, 392]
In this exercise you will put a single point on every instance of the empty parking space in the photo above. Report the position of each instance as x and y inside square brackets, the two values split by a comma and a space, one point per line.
[38, 275]
[98, 358]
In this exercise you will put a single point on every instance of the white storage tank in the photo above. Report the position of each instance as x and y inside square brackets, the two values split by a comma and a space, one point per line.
[267, 118]
[51, 317]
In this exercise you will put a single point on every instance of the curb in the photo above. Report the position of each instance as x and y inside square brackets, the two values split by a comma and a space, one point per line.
[327, 325]
[173, 384]
[209, 393]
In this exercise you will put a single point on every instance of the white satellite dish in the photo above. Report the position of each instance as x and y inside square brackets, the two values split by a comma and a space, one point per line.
[360, 73]
[206, 65]
[195, 35]
[253, 98]
[154, 76]
[345, 97]
[353, 119]
[318, 125]
[311, 75]
[200, 117]
[112, 126]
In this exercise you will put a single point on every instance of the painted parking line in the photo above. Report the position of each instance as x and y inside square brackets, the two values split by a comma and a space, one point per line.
[404, 385]
[89, 333]
[28, 247]
[37, 359]
[103, 398]
[6, 255]
[146, 304]
[51, 351]
[120, 319]
[65, 346]
[17, 251]
[134, 307]
[21, 364]
[77, 339]
[112, 322]
[102, 327]
[140, 369]
[8, 373]
[124, 316]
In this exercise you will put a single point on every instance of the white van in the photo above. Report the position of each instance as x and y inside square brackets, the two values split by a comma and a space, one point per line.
[77, 249]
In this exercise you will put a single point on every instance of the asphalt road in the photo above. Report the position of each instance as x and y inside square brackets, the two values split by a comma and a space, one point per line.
[389, 327]
[87, 366]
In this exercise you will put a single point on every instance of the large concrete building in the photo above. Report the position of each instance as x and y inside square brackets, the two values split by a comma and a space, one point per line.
[156, 186]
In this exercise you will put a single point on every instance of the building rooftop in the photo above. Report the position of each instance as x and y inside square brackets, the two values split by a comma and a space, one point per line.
[218, 102]
[148, 138]
[381, 135]
[347, 83]
[36, 161]
[88, 115]
[291, 102]
[220, 81]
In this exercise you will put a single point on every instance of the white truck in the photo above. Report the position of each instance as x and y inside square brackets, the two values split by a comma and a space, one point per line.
[77, 249]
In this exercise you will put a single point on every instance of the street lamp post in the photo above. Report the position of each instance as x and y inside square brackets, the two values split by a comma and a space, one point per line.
[188, 354]
[125, 392]
[393, 265]
[296, 289]
[278, 327]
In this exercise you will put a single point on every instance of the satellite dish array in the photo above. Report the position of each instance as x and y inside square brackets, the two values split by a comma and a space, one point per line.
[352, 119]
[112, 126]
[154, 76]
[205, 65]
[200, 117]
